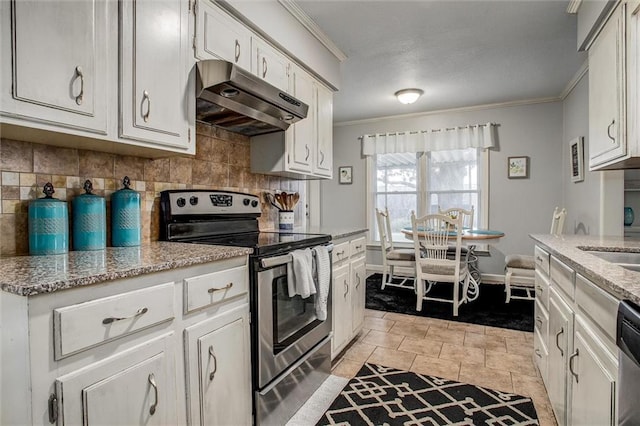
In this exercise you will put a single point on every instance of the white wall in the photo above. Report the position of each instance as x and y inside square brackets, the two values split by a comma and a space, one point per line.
[518, 207]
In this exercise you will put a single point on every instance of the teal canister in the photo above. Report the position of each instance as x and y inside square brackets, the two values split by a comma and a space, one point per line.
[48, 224]
[89, 220]
[125, 216]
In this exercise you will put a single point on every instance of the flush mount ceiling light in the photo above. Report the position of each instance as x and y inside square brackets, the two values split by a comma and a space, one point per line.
[408, 96]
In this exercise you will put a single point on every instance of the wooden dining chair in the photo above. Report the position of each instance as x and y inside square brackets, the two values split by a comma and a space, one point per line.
[433, 234]
[520, 269]
[392, 257]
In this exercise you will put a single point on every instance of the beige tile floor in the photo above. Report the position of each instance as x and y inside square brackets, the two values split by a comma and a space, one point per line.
[485, 356]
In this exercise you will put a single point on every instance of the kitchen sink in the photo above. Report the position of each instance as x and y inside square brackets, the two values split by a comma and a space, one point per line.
[628, 260]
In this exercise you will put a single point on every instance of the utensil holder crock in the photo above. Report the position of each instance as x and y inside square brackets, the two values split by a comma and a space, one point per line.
[285, 220]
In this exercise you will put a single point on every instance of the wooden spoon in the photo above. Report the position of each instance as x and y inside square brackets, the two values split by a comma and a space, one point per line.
[296, 198]
[285, 200]
[279, 200]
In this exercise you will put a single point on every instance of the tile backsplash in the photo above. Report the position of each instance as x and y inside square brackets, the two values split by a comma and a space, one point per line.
[221, 162]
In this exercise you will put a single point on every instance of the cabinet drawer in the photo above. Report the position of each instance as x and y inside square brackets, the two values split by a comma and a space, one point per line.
[81, 326]
[541, 318]
[598, 305]
[541, 258]
[542, 289]
[209, 289]
[341, 251]
[563, 276]
[358, 246]
[540, 354]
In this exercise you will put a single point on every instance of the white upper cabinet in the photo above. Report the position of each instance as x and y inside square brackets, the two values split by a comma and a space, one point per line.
[607, 90]
[301, 135]
[153, 67]
[219, 36]
[59, 71]
[323, 164]
[269, 64]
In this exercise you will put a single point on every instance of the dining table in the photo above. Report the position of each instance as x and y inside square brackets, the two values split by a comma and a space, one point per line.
[470, 238]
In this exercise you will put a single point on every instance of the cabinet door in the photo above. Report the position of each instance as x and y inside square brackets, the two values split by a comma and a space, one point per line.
[592, 384]
[301, 136]
[341, 308]
[155, 91]
[607, 88]
[324, 147]
[560, 331]
[135, 387]
[358, 280]
[59, 72]
[270, 65]
[219, 369]
[219, 36]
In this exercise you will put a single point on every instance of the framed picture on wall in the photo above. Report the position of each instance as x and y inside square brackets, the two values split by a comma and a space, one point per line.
[518, 167]
[576, 155]
[345, 175]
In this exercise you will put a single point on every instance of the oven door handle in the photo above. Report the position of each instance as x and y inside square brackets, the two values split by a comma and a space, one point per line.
[270, 262]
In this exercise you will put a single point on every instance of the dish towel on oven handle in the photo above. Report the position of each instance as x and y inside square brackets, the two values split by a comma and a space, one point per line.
[300, 274]
[323, 276]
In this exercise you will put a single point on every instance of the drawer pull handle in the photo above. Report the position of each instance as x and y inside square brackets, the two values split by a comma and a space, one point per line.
[226, 287]
[358, 247]
[308, 152]
[145, 96]
[539, 320]
[609, 131]
[139, 312]
[340, 253]
[571, 358]
[346, 288]
[539, 288]
[558, 344]
[215, 363]
[264, 67]
[237, 51]
[358, 278]
[80, 74]
[537, 352]
[321, 157]
[152, 382]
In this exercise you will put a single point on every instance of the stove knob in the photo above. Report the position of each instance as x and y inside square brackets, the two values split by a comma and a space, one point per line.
[193, 200]
[254, 203]
[246, 201]
[181, 202]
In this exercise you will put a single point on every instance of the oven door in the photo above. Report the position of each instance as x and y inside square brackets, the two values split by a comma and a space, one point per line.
[288, 327]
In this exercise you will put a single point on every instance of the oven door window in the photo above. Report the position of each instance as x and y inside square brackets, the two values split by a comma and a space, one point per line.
[293, 316]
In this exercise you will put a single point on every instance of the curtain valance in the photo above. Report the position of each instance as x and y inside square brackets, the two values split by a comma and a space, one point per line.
[472, 136]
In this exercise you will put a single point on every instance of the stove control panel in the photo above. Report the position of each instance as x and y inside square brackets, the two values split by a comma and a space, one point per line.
[205, 202]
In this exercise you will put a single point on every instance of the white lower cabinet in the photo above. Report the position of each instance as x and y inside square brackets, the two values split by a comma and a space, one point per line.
[581, 368]
[134, 387]
[348, 290]
[123, 352]
[219, 382]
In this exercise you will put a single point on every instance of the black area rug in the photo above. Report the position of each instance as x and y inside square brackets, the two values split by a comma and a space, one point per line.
[386, 396]
[488, 309]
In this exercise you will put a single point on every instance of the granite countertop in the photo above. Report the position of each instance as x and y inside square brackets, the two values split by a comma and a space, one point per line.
[31, 275]
[335, 232]
[620, 282]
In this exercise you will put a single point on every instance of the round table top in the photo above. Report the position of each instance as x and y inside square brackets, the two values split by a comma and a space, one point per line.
[467, 234]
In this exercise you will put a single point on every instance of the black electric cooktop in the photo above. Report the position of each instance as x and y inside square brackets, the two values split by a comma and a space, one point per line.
[267, 243]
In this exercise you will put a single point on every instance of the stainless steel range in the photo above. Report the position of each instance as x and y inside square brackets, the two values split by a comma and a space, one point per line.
[290, 346]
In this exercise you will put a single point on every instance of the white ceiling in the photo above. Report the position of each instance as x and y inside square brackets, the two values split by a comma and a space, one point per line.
[461, 53]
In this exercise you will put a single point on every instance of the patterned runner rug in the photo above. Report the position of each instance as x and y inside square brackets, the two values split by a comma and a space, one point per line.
[387, 396]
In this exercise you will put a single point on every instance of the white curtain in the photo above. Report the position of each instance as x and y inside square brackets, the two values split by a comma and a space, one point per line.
[472, 136]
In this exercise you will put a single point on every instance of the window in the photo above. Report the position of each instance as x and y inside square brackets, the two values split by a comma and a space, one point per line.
[425, 181]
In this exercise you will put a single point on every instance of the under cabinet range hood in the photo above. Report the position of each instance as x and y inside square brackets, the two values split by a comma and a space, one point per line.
[240, 102]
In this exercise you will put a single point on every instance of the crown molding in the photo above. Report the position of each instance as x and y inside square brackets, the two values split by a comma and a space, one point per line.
[304, 19]
[443, 111]
[575, 80]
[573, 6]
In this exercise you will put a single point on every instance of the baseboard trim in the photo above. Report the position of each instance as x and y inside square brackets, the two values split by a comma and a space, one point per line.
[486, 278]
